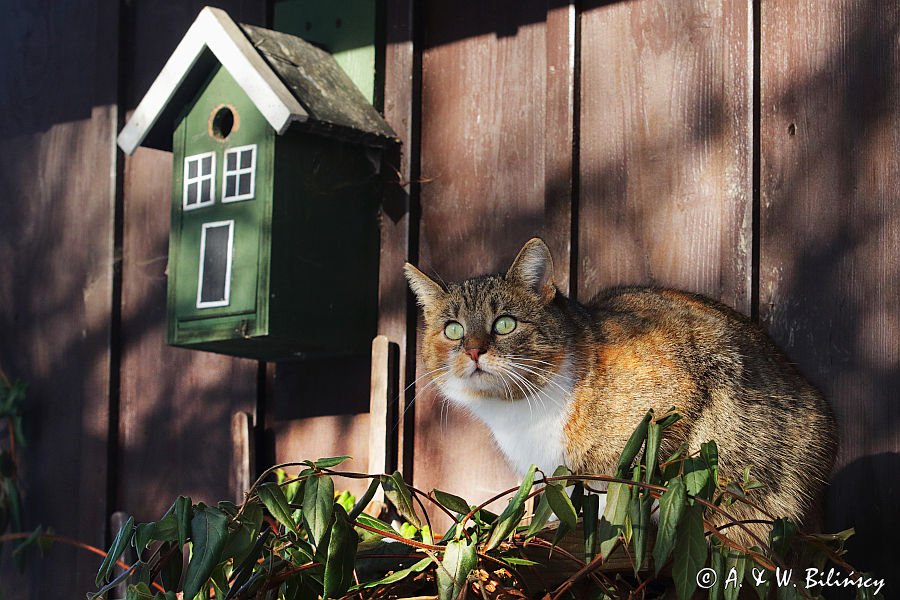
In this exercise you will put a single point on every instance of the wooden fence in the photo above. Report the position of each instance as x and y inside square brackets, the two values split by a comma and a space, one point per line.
[743, 149]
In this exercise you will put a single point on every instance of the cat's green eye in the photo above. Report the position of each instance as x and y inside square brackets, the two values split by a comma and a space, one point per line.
[454, 330]
[504, 325]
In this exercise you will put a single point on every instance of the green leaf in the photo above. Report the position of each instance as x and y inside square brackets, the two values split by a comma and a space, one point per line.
[454, 503]
[591, 514]
[710, 454]
[459, 560]
[670, 419]
[519, 562]
[736, 562]
[398, 493]
[679, 451]
[292, 490]
[273, 497]
[115, 551]
[543, 512]
[757, 573]
[346, 499]
[511, 516]
[781, 536]
[717, 564]
[327, 463]
[654, 432]
[363, 502]
[240, 541]
[561, 505]
[318, 506]
[14, 506]
[219, 579]
[408, 531]
[140, 591]
[170, 571]
[243, 572]
[671, 506]
[690, 551]
[253, 515]
[639, 514]
[165, 530]
[396, 575]
[696, 476]
[209, 532]
[633, 445]
[618, 495]
[787, 592]
[371, 521]
[341, 555]
[183, 516]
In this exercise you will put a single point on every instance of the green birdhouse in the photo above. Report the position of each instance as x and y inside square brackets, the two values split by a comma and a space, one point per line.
[273, 249]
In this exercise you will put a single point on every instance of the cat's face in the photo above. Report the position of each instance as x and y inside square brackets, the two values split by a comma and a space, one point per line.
[497, 336]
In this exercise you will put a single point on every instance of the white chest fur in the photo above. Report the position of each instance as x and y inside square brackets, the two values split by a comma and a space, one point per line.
[528, 431]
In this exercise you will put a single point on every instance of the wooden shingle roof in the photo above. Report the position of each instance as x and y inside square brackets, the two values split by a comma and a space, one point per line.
[291, 82]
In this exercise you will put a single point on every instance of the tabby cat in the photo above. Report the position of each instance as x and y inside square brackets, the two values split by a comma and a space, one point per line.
[558, 382]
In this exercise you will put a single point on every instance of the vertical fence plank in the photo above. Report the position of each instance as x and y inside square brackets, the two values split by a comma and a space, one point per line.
[401, 81]
[492, 171]
[382, 406]
[58, 92]
[830, 237]
[243, 456]
[666, 147]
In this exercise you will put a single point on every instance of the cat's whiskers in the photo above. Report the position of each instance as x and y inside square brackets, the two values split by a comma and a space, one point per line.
[557, 400]
[535, 392]
[424, 375]
[544, 376]
[515, 379]
[509, 393]
[547, 376]
[520, 359]
[435, 381]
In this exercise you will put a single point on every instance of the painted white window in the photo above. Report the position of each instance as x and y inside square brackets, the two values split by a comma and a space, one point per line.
[216, 251]
[239, 174]
[199, 180]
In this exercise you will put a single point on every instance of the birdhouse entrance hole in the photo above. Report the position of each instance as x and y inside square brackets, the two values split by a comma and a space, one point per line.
[222, 122]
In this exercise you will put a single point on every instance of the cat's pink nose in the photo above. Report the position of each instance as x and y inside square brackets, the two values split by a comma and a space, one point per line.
[474, 353]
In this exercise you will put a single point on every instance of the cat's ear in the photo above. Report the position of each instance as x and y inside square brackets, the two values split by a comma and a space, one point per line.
[533, 267]
[425, 289]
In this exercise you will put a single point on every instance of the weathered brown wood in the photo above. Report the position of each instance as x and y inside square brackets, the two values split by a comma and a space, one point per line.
[666, 147]
[58, 83]
[830, 238]
[490, 88]
[320, 408]
[401, 78]
[243, 456]
[176, 405]
[559, 137]
[382, 404]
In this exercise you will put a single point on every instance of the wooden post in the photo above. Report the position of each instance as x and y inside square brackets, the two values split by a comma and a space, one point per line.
[382, 402]
[241, 477]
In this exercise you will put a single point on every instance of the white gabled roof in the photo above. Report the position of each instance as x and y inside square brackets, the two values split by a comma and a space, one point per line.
[213, 32]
